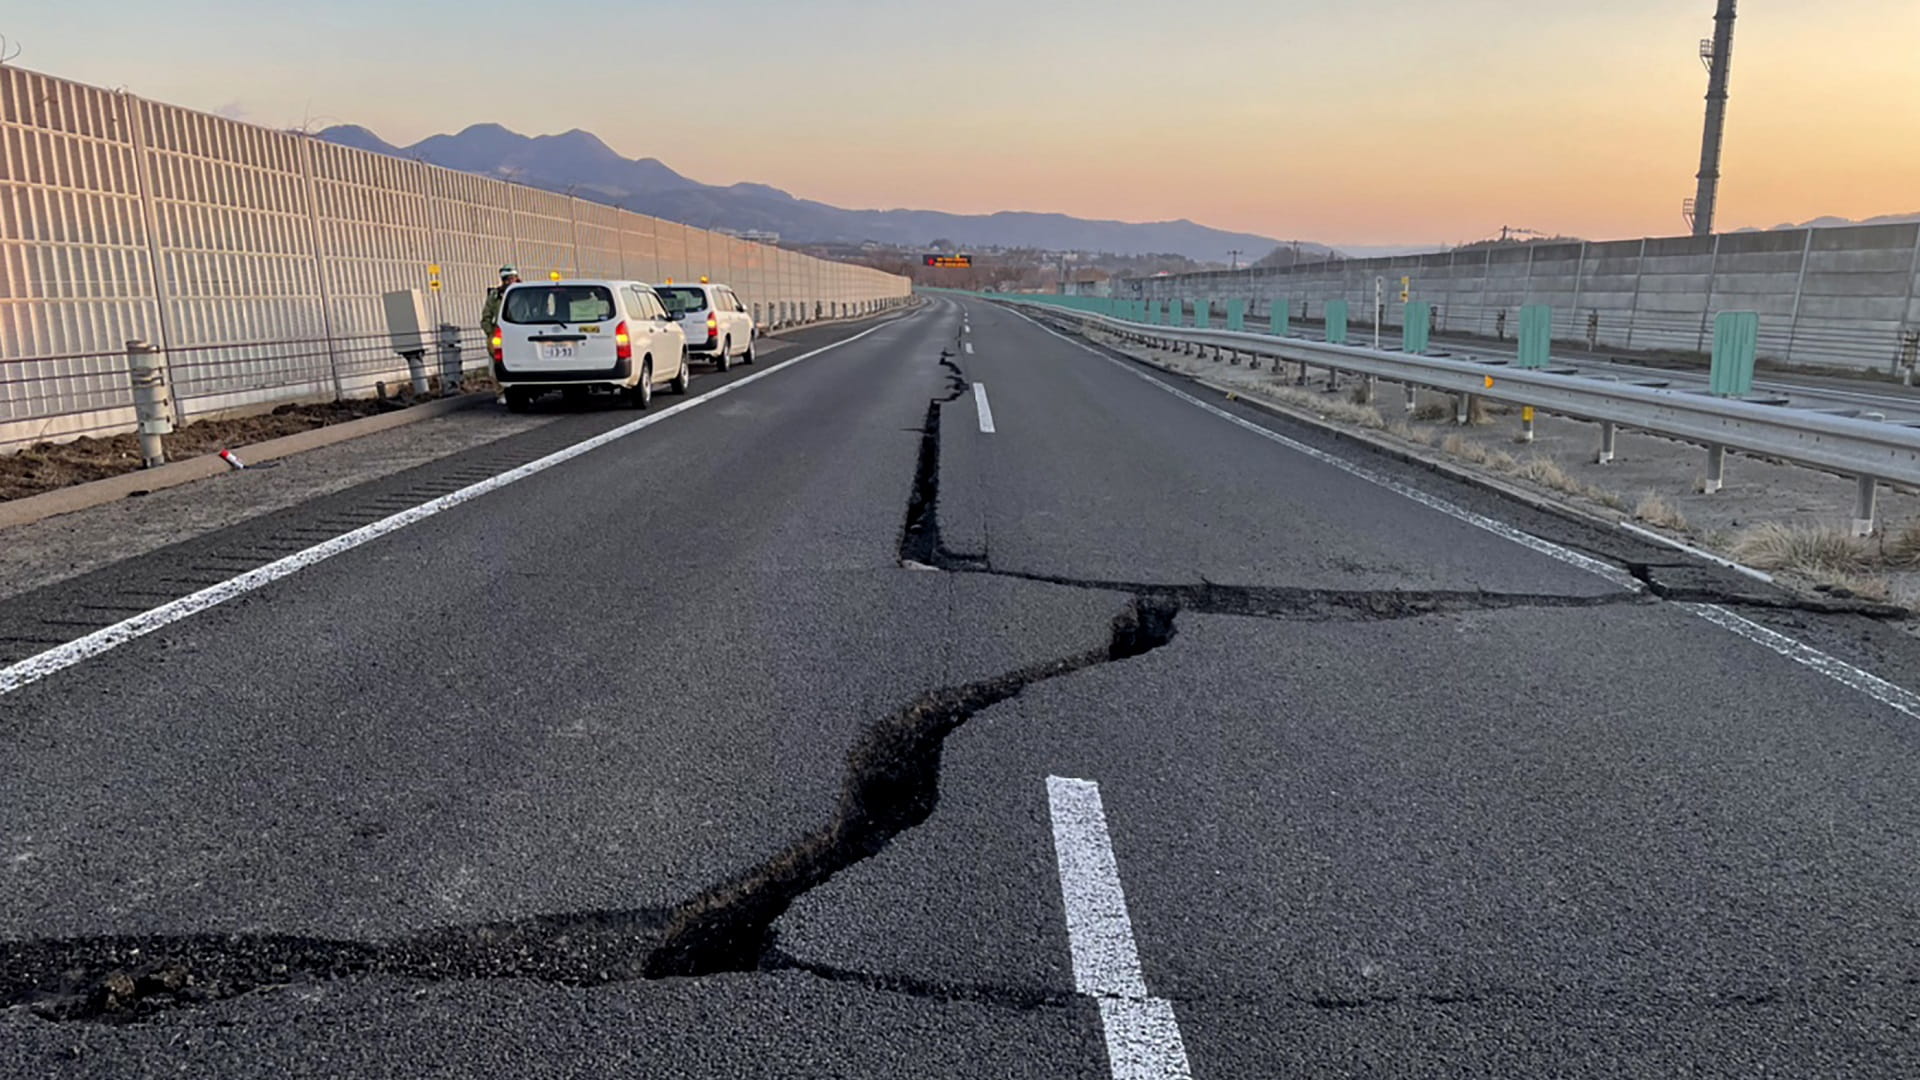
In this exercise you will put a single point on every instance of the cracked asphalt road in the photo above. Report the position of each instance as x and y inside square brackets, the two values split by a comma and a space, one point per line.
[722, 751]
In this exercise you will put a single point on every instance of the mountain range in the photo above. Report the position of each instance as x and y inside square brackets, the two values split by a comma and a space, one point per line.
[580, 162]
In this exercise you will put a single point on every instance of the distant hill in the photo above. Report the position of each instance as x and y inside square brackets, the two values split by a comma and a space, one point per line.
[1831, 222]
[579, 161]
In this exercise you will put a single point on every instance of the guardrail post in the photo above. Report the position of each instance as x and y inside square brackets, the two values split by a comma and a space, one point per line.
[146, 369]
[1462, 409]
[1607, 433]
[1526, 423]
[1716, 470]
[1864, 506]
[1412, 391]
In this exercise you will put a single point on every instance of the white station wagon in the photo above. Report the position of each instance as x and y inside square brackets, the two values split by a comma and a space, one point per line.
[582, 336]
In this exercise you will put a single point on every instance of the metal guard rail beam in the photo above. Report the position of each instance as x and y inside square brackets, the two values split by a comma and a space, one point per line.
[1845, 445]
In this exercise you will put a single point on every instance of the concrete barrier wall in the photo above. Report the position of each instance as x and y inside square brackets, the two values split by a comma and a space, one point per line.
[1839, 297]
[257, 258]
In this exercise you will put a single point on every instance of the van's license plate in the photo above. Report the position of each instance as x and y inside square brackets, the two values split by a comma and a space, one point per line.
[556, 352]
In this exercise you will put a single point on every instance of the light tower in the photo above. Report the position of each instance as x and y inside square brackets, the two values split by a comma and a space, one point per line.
[1717, 55]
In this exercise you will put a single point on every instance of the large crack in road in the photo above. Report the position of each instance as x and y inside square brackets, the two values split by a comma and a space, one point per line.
[890, 785]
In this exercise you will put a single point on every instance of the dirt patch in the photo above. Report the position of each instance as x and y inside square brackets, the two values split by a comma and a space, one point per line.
[45, 467]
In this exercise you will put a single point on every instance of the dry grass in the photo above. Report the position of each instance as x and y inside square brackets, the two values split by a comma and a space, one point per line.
[1903, 546]
[1871, 588]
[1332, 408]
[1400, 429]
[1434, 410]
[1655, 510]
[1814, 551]
[1547, 473]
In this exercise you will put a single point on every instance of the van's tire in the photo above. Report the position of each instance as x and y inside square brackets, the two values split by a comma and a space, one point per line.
[721, 360]
[747, 357]
[518, 400]
[683, 381]
[642, 393]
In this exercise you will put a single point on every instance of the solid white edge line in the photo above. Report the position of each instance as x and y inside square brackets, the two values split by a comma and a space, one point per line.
[1890, 694]
[1893, 696]
[1501, 529]
[985, 410]
[34, 668]
[1143, 1039]
[1701, 553]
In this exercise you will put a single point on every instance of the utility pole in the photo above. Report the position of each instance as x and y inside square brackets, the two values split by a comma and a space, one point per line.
[1233, 259]
[1718, 56]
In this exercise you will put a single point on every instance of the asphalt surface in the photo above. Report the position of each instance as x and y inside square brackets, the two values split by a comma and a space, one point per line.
[723, 750]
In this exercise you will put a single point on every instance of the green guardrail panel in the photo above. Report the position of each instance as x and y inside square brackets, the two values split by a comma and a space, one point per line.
[1536, 335]
[1736, 342]
[1417, 323]
[1236, 314]
[1176, 313]
[1336, 322]
[1279, 316]
[1202, 314]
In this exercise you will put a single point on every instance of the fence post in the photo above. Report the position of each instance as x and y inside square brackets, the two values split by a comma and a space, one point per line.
[451, 365]
[320, 278]
[133, 113]
[1706, 314]
[1633, 306]
[147, 370]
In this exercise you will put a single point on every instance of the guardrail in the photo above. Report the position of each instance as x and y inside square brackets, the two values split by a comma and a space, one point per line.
[1869, 451]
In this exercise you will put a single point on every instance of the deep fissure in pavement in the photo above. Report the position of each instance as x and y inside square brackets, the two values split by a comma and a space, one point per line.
[891, 784]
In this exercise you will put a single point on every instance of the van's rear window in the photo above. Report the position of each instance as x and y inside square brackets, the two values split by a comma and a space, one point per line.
[680, 300]
[555, 304]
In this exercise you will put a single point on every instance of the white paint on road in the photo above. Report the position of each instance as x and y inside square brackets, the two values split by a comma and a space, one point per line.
[1698, 553]
[60, 657]
[1479, 521]
[1143, 1039]
[969, 348]
[986, 411]
[1875, 687]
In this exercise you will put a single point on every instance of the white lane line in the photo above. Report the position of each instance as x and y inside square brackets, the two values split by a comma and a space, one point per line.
[1698, 553]
[986, 411]
[969, 348]
[60, 657]
[1875, 687]
[1143, 1039]
[1501, 529]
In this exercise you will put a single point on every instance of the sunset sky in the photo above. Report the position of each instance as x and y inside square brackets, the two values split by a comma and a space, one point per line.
[1357, 124]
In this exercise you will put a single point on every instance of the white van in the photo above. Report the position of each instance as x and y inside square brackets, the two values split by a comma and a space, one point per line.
[582, 336]
[718, 326]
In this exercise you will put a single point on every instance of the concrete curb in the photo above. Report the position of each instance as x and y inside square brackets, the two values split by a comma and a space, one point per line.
[99, 492]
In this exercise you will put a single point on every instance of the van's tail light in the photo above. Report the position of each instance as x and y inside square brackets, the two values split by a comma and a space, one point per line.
[622, 342]
[713, 326]
[494, 345]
